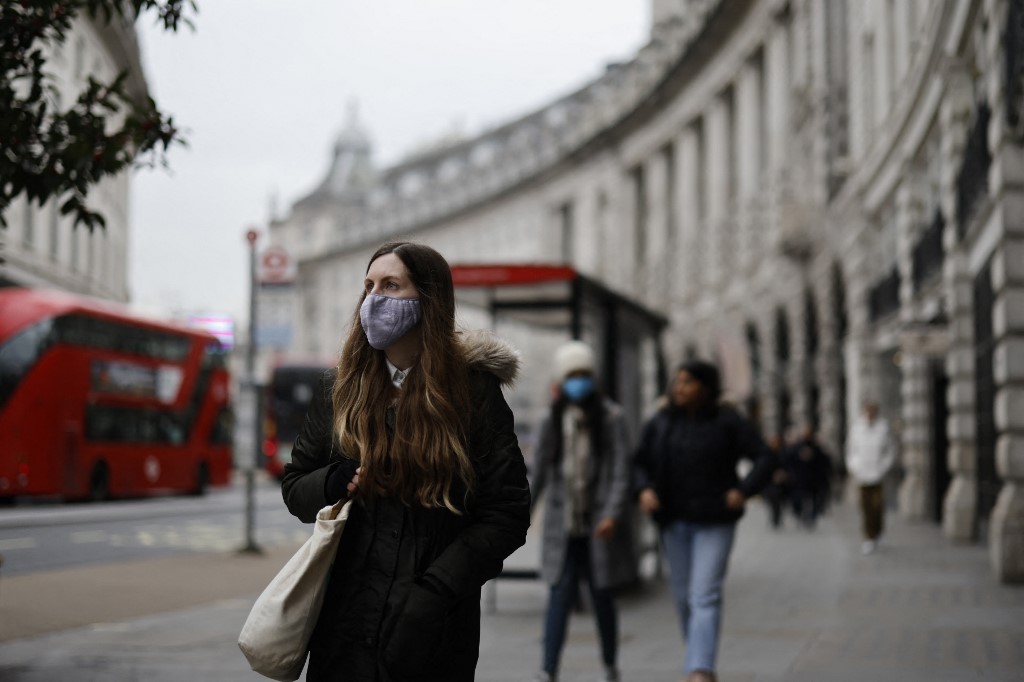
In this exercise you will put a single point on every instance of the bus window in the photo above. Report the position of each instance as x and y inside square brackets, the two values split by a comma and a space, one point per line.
[19, 354]
[214, 355]
[93, 332]
[223, 427]
[115, 424]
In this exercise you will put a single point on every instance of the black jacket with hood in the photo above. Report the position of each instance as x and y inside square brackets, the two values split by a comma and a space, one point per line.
[403, 601]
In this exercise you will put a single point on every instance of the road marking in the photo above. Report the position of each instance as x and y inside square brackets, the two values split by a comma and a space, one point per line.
[82, 536]
[17, 543]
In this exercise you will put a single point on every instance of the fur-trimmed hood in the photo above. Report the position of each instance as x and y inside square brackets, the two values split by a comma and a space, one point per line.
[486, 352]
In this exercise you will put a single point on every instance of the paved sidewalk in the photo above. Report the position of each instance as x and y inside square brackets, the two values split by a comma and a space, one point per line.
[800, 606]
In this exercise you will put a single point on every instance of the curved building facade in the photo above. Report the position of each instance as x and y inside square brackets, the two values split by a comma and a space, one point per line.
[826, 197]
[42, 248]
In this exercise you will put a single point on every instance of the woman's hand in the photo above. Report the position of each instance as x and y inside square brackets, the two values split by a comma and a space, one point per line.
[649, 502]
[735, 500]
[353, 485]
[605, 529]
[343, 480]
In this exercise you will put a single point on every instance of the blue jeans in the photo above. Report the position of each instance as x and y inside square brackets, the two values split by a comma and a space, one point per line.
[698, 555]
[560, 600]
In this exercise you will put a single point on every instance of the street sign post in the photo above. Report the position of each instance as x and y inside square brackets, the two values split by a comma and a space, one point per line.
[250, 546]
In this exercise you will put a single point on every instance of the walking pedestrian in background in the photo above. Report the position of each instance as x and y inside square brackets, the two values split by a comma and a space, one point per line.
[776, 493]
[440, 494]
[582, 462]
[870, 454]
[687, 480]
[808, 471]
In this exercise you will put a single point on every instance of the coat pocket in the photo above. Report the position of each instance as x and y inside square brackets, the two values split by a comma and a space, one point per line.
[419, 637]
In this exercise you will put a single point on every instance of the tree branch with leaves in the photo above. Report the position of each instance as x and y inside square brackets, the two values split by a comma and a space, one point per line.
[51, 153]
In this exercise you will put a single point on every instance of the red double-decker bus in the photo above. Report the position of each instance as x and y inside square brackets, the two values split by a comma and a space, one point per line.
[96, 402]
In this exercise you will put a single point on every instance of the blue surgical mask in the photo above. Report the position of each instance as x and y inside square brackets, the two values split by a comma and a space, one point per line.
[386, 319]
[578, 388]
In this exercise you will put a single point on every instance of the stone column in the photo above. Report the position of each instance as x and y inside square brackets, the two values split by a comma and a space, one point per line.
[960, 503]
[860, 355]
[748, 115]
[653, 271]
[898, 21]
[914, 383]
[770, 377]
[1006, 524]
[914, 493]
[716, 128]
[827, 366]
[618, 249]
[687, 255]
[885, 84]
[799, 399]
[778, 94]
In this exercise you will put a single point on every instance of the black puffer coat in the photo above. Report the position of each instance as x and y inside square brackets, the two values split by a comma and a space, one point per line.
[383, 619]
[690, 461]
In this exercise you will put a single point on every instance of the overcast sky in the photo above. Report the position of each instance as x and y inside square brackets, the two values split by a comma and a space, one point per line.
[262, 87]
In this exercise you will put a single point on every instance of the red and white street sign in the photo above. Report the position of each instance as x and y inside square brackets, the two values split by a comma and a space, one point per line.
[275, 266]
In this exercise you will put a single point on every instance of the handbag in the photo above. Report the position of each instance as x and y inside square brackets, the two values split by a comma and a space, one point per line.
[275, 637]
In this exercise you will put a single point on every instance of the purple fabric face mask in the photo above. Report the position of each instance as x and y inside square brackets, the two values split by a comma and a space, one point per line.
[386, 319]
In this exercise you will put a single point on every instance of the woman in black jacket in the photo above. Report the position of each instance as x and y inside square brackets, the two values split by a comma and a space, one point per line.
[685, 471]
[413, 425]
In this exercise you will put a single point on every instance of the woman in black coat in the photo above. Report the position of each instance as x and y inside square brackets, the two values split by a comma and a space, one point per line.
[685, 470]
[413, 425]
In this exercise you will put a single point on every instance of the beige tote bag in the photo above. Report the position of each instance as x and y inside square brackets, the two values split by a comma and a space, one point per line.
[275, 637]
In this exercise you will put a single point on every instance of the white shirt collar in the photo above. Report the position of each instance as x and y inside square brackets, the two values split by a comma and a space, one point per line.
[397, 375]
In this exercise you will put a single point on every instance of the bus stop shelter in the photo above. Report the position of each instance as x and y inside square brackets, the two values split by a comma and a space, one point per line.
[626, 335]
[553, 303]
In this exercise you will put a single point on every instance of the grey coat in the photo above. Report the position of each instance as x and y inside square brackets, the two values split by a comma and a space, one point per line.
[612, 561]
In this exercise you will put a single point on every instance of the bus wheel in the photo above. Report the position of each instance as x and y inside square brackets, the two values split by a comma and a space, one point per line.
[99, 483]
[202, 480]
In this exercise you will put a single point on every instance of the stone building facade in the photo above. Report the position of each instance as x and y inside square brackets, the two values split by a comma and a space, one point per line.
[41, 247]
[826, 197]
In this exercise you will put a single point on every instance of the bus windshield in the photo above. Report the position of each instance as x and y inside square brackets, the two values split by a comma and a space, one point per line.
[289, 395]
[291, 391]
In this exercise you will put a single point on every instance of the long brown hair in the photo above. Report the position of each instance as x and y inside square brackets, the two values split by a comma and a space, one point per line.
[426, 461]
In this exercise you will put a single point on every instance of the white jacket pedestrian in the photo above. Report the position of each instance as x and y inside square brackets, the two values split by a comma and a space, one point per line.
[869, 450]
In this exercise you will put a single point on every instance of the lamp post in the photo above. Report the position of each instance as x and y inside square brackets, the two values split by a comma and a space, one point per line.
[250, 546]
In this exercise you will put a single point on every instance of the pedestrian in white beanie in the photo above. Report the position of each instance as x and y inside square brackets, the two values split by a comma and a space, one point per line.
[582, 460]
[573, 356]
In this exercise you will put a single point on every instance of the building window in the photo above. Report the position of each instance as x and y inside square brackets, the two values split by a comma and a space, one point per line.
[602, 229]
[79, 57]
[870, 82]
[669, 157]
[90, 252]
[566, 229]
[75, 237]
[639, 184]
[54, 228]
[28, 232]
[731, 148]
[762, 117]
[702, 184]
